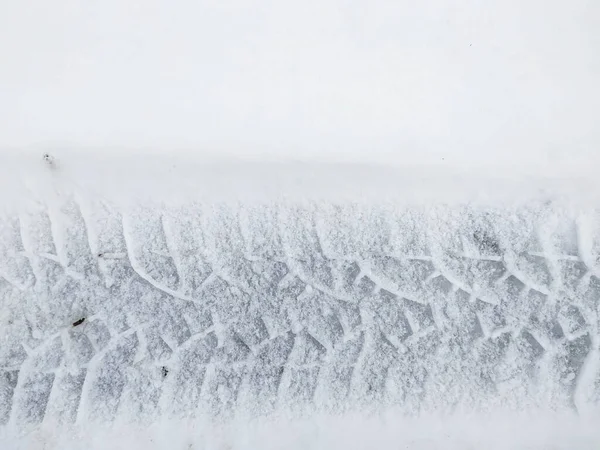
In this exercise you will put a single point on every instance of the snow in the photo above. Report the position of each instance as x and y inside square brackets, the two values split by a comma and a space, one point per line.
[348, 432]
[159, 197]
[511, 82]
[126, 177]
[137, 117]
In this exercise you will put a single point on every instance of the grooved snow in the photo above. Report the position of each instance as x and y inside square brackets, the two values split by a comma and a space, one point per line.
[226, 312]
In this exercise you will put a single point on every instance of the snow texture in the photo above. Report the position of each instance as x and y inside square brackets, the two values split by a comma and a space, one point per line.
[318, 224]
[229, 314]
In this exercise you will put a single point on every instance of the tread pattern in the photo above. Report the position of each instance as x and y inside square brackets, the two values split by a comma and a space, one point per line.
[219, 309]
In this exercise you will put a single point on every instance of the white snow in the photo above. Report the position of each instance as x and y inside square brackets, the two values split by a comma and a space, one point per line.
[410, 102]
[129, 177]
[348, 432]
[134, 180]
[512, 82]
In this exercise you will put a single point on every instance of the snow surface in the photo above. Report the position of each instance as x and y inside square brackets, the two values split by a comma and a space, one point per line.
[126, 176]
[512, 82]
[168, 184]
[381, 103]
[350, 432]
